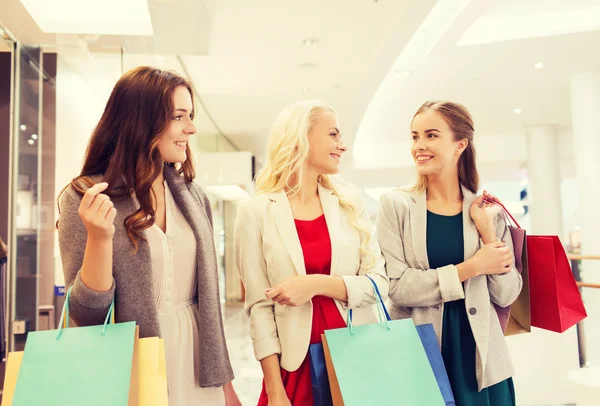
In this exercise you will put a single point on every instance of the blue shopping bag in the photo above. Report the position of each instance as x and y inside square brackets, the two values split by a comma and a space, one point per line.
[76, 366]
[434, 354]
[382, 363]
[318, 374]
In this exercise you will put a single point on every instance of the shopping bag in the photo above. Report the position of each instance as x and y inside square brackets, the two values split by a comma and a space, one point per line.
[382, 363]
[556, 303]
[318, 375]
[13, 365]
[434, 354]
[516, 318]
[65, 366]
[336, 393]
[148, 374]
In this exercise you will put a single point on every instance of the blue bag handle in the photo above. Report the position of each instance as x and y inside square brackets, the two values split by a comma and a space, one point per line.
[64, 315]
[381, 309]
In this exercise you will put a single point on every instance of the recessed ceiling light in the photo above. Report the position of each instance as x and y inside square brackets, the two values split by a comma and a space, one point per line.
[108, 17]
[309, 42]
[517, 111]
[34, 136]
[31, 142]
[23, 127]
[538, 65]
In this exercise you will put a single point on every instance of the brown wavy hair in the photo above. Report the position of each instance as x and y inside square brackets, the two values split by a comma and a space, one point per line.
[461, 124]
[123, 147]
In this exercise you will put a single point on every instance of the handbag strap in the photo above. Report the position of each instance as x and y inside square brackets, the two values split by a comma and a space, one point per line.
[64, 315]
[382, 311]
[504, 211]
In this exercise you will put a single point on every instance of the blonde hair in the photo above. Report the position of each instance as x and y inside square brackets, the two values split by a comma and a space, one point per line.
[287, 156]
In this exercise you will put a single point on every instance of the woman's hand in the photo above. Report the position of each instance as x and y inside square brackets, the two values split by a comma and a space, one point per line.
[280, 399]
[97, 213]
[294, 292]
[483, 212]
[492, 259]
[231, 397]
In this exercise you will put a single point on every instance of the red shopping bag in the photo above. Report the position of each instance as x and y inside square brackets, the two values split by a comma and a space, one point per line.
[555, 300]
[556, 303]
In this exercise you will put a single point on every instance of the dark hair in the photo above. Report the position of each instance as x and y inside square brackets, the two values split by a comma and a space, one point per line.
[123, 147]
[461, 124]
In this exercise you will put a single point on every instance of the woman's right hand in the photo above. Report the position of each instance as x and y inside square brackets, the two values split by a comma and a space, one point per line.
[97, 213]
[493, 259]
[279, 399]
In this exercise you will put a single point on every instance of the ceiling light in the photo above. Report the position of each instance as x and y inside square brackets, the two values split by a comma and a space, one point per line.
[23, 127]
[34, 136]
[517, 111]
[538, 65]
[309, 42]
[108, 17]
[30, 142]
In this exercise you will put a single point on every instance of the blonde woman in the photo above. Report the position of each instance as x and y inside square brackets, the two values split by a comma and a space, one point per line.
[449, 256]
[303, 247]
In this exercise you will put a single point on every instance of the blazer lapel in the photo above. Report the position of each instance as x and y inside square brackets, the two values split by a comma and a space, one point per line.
[184, 199]
[331, 209]
[418, 227]
[284, 219]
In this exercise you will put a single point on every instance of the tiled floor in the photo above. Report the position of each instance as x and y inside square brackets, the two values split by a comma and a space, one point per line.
[248, 374]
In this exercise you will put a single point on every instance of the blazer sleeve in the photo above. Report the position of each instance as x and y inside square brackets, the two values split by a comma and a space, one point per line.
[359, 288]
[411, 287]
[505, 288]
[251, 265]
[86, 307]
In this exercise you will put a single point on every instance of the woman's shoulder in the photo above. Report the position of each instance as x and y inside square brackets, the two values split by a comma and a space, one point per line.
[399, 198]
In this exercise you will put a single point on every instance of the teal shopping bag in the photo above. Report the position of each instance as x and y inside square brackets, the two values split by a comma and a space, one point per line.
[382, 363]
[88, 366]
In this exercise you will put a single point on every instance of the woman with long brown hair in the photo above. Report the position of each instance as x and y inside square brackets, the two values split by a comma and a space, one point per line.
[449, 256]
[135, 228]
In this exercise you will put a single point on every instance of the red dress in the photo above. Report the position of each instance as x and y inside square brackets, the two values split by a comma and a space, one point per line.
[316, 246]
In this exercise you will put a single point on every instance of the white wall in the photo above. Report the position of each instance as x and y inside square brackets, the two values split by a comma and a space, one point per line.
[78, 109]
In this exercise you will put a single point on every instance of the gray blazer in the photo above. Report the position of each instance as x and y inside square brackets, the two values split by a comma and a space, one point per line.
[420, 292]
[133, 287]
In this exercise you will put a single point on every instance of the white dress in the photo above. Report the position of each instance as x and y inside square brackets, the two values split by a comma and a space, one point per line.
[174, 270]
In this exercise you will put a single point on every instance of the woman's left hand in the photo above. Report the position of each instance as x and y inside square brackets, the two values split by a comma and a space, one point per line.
[231, 397]
[483, 212]
[294, 292]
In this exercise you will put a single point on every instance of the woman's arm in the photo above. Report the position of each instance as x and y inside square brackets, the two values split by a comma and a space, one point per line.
[85, 238]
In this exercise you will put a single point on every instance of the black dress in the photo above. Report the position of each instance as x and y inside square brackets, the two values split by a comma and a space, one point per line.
[445, 246]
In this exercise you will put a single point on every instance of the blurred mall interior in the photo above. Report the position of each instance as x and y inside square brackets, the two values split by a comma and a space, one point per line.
[528, 70]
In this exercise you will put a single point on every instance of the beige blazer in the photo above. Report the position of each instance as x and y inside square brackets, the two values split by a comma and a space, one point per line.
[268, 252]
[420, 292]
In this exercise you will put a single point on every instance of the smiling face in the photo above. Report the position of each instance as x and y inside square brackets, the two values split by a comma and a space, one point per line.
[173, 144]
[325, 144]
[434, 148]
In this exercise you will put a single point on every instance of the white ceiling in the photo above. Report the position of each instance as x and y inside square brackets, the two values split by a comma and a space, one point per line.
[247, 61]
[491, 80]
[256, 64]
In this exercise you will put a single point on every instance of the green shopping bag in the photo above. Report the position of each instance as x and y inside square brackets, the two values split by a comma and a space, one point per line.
[382, 363]
[77, 366]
